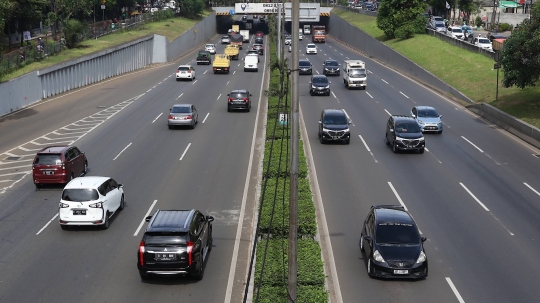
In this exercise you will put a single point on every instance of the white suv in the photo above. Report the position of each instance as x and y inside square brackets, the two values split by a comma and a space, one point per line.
[483, 42]
[90, 201]
[211, 48]
[185, 72]
[311, 49]
[455, 32]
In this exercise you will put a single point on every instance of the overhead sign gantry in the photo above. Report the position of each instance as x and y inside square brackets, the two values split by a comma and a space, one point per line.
[309, 12]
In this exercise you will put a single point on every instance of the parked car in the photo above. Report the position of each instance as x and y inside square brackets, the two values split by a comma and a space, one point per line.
[311, 49]
[392, 244]
[185, 72]
[403, 133]
[58, 164]
[176, 242]
[211, 48]
[239, 99]
[331, 67]
[90, 201]
[183, 115]
[427, 118]
[334, 126]
[483, 42]
[305, 67]
[319, 85]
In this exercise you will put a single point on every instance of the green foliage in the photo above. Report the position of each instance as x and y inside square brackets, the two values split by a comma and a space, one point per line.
[520, 57]
[162, 15]
[311, 294]
[401, 19]
[190, 8]
[73, 30]
[478, 22]
[502, 27]
[279, 170]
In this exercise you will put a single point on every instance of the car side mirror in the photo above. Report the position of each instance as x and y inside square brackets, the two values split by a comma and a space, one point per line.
[423, 239]
[120, 185]
[170, 109]
[309, 82]
[413, 115]
[147, 219]
[228, 95]
[367, 238]
[350, 121]
[329, 82]
[440, 116]
[209, 218]
[250, 95]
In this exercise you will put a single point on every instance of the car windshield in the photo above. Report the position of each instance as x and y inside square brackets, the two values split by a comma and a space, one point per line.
[238, 95]
[358, 73]
[183, 68]
[335, 119]
[80, 194]
[407, 127]
[180, 110]
[397, 233]
[49, 159]
[438, 19]
[332, 63]
[428, 113]
[311, 46]
[304, 63]
[320, 80]
[483, 41]
[165, 238]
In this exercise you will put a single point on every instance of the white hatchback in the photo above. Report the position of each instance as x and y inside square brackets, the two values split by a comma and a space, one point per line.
[185, 72]
[211, 48]
[311, 49]
[90, 201]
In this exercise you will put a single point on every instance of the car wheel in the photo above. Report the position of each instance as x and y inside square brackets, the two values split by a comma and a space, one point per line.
[229, 109]
[394, 147]
[38, 186]
[440, 132]
[386, 140]
[348, 141]
[71, 177]
[322, 139]
[85, 171]
[177, 79]
[421, 151]
[193, 125]
[248, 109]
[210, 240]
[170, 126]
[107, 221]
[199, 274]
[144, 276]
[64, 227]
[122, 203]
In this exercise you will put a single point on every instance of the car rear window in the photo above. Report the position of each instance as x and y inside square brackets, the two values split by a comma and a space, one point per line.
[180, 110]
[80, 194]
[162, 238]
[183, 68]
[209, 45]
[397, 233]
[311, 46]
[49, 159]
[238, 95]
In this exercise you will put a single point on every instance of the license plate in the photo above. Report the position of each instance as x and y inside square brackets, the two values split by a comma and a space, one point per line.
[48, 172]
[183, 72]
[165, 257]
[79, 212]
[401, 271]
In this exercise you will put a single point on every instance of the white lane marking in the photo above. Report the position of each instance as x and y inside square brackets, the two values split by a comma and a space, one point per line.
[144, 218]
[12, 167]
[446, 124]
[454, 289]
[433, 155]
[232, 270]
[397, 196]
[227, 82]
[205, 117]
[148, 90]
[367, 147]
[154, 86]
[404, 94]
[234, 72]
[238, 65]
[194, 82]
[347, 57]
[218, 97]
[334, 95]
[341, 54]
[384, 81]
[205, 72]
[531, 188]
[347, 115]
[43, 228]
[179, 96]
[387, 112]
[185, 151]
[122, 151]
[369, 95]
[317, 72]
[472, 144]
[474, 197]
[157, 117]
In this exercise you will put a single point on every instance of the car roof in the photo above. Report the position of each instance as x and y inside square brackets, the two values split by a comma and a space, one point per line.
[391, 214]
[239, 91]
[55, 149]
[333, 111]
[86, 182]
[170, 221]
[304, 60]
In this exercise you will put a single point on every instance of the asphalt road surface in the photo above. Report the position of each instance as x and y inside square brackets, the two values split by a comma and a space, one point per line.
[121, 125]
[475, 193]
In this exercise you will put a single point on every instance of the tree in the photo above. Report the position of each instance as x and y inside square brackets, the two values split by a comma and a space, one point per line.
[190, 8]
[520, 56]
[401, 19]
[6, 9]
[26, 12]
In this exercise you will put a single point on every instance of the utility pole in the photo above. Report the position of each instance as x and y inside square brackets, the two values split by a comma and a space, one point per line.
[495, 3]
[295, 132]
[280, 52]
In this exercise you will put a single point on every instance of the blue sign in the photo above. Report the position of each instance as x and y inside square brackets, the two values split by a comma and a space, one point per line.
[232, 12]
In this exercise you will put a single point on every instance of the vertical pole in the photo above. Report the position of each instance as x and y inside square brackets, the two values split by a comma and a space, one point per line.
[293, 198]
[279, 31]
[497, 87]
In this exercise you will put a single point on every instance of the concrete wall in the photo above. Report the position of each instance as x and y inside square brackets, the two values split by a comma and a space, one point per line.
[19, 92]
[461, 43]
[193, 37]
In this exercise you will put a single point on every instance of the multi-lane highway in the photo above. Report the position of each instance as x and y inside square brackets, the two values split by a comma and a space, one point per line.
[475, 193]
[121, 125]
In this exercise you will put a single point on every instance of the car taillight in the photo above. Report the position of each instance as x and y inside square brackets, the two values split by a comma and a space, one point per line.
[171, 117]
[177, 70]
[246, 99]
[141, 253]
[189, 71]
[189, 117]
[230, 100]
[190, 252]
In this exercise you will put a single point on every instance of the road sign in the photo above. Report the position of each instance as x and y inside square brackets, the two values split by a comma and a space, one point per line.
[496, 66]
[283, 118]
[232, 12]
[103, 7]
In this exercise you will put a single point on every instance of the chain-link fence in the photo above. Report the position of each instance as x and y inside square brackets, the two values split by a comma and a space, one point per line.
[31, 52]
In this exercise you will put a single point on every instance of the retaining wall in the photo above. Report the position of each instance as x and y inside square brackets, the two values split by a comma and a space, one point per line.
[461, 43]
[192, 38]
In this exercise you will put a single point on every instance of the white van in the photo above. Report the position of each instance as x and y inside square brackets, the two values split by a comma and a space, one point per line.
[251, 63]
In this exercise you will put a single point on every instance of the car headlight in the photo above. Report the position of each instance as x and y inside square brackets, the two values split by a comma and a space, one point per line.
[96, 205]
[399, 139]
[377, 256]
[313, 87]
[327, 87]
[421, 139]
[63, 205]
[439, 123]
[346, 130]
[421, 122]
[422, 258]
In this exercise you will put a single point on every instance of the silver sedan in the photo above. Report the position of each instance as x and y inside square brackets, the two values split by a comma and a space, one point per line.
[183, 115]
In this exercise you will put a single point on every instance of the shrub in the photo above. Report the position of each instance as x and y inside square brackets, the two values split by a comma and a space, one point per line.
[73, 31]
[478, 21]
[504, 27]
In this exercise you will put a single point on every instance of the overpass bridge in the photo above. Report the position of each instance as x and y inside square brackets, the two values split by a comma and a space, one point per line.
[309, 12]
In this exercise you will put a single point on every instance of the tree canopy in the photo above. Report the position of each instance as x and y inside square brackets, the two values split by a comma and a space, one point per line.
[520, 56]
[401, 18]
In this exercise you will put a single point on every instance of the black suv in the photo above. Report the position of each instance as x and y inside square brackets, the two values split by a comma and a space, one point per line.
[403, 133]
[334, 126]
[392, 244]
[239, 99]
[319, 85]
[331, 67]
[175, 242]
[304, 67]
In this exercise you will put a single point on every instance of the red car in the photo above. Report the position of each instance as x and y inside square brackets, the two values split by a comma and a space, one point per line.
[58, 164]
[259, 34]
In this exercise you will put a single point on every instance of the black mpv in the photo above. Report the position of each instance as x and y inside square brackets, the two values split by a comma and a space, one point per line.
[392, 244]
[319, 85]
[304, 67]
[176, 242]
[334, 126]
[403, 133]
[331, 67]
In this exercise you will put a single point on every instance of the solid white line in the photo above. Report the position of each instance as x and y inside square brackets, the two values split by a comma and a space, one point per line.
[365, 144]
[530, 187]
[218, 97]
[454, 289]
[205, 72]
[205, 117]
[55, 216]
[347, 57]
[472, 144]
[159, 83]
[474, 197]
[369, 95]
[397, 196]
[17, 173]
[144, 218]
[157, 117]
[179, 96]
[404, 94]
[334, 95]
[232, 270]
[185, 151]
[26, 166]
[341, 54]
[194, 82]
[388, 112]
[122, 151]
